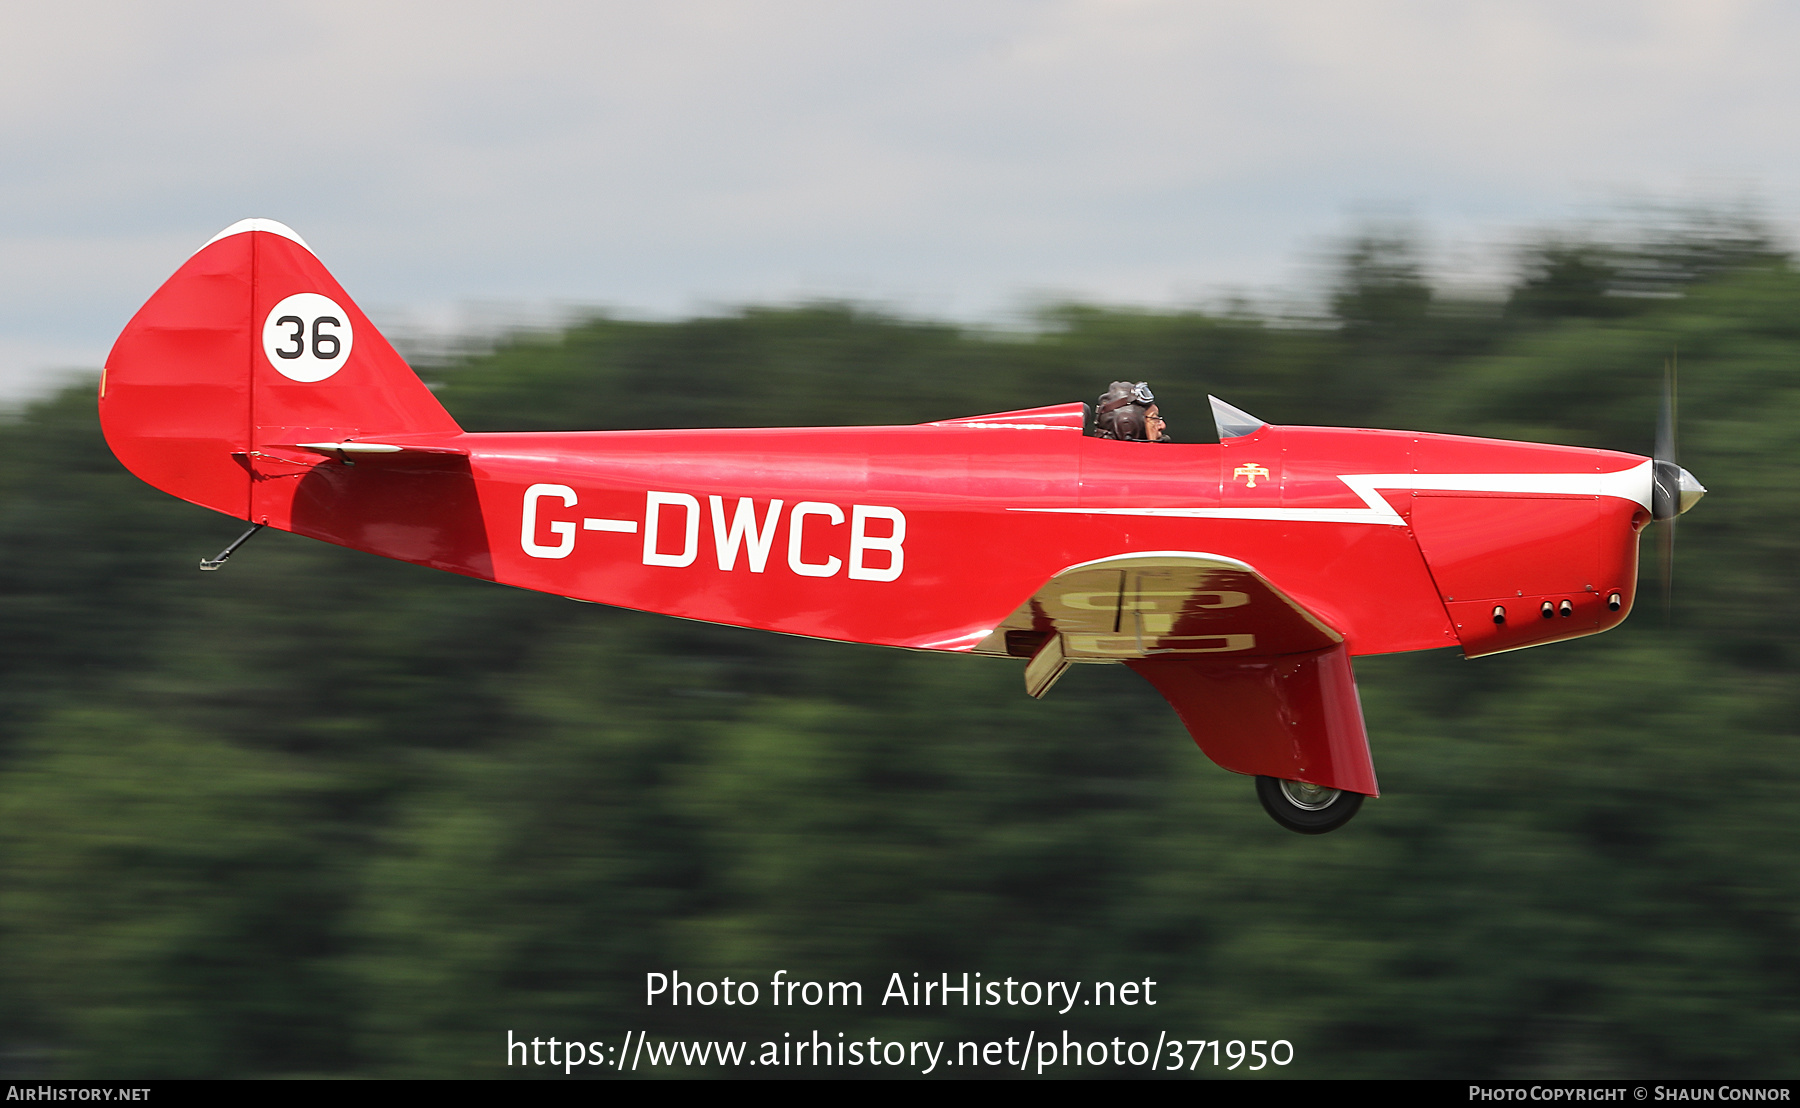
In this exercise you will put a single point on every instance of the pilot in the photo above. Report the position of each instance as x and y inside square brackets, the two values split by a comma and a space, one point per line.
[1128, 411]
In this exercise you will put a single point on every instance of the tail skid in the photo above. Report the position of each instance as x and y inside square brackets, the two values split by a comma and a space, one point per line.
[208, 565]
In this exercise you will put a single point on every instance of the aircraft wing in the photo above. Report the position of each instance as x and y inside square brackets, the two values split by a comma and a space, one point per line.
[1263, 685]
[1168, 602]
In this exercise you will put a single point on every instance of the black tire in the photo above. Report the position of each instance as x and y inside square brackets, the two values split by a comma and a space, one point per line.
[1325, 813]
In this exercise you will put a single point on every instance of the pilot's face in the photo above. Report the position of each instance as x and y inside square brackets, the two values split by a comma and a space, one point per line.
[1153, 424]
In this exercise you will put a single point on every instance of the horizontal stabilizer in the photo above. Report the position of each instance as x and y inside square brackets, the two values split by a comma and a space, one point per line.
[358, 449]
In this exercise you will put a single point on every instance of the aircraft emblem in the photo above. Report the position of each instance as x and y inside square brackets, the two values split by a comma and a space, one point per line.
[1252, 471]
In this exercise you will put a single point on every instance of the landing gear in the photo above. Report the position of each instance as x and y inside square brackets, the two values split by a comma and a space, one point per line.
[1308, 809]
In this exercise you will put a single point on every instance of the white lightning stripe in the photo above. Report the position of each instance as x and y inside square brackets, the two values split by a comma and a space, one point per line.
[1292, 515]
[1626, 484]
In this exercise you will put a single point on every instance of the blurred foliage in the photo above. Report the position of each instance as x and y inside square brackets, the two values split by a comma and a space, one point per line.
[325, 814]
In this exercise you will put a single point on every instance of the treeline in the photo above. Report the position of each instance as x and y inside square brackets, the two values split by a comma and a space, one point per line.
[324, 814]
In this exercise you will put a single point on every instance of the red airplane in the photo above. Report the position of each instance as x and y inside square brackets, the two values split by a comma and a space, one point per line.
[1239, 577]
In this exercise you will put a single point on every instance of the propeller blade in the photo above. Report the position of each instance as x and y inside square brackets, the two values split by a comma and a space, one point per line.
[1665, 556]
[1665, 496]
[1673, 490]
[1665, 458]
[1665, 421]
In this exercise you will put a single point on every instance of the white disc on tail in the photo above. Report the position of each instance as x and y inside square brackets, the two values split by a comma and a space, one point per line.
[307, 337]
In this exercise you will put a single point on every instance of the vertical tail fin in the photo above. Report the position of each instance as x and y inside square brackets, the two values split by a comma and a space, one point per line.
[251, 343]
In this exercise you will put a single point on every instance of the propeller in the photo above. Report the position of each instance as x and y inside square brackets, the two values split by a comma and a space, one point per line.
[1674, 490]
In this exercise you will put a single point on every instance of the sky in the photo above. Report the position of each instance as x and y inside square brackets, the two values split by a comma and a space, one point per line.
[457, 163]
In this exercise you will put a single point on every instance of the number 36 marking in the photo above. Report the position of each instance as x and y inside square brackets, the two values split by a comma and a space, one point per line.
[307, 337]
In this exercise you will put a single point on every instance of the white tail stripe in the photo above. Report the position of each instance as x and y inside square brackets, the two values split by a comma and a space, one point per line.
[269, 225]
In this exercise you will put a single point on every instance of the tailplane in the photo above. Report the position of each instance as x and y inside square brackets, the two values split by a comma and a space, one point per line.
[251, 344]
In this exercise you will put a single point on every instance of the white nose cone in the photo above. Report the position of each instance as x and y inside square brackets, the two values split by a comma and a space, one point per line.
[1689, 492]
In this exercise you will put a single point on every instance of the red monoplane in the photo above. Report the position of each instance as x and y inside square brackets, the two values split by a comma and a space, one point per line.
[1239, 576]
